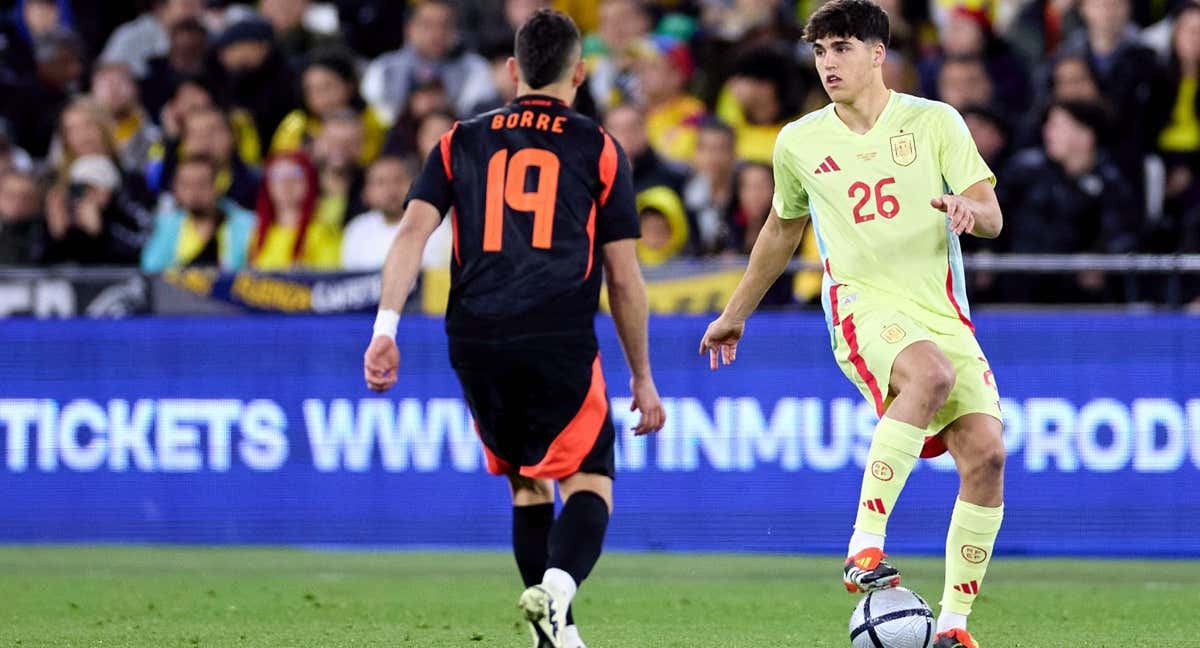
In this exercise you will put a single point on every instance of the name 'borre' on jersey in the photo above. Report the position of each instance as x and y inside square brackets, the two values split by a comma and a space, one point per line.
[869, 199]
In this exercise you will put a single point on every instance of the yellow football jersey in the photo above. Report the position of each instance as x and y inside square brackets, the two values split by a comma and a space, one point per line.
[869, 199]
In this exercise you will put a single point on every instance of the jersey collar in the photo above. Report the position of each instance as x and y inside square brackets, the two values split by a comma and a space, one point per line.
[893, 98]
[539, 100]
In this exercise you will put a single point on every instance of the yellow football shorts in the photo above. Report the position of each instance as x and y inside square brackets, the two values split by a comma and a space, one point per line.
[868, 334]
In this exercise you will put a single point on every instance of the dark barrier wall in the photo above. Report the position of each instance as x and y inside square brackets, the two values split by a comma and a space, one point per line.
[259, 430]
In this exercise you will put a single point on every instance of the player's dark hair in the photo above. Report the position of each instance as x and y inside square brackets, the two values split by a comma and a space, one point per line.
[861, 19]
[545, 46]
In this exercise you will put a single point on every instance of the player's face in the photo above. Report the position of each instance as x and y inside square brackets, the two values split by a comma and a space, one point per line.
[846, 65]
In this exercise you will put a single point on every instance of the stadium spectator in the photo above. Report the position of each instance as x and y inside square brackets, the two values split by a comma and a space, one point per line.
[1073, 79]
[755, 187]
[20, 28]
[12, 157]
[1124, 68]
[288, 235]
[504, 86]
[991, 134]
[968, 34]
[185, 58]
[492, 21]
[115, 91]
[208, 134]
[200, 228]
[628, 125]
[192, 94]
[295, 38]
[85, 128]
[431, 128]
[371, 27]
[758, 100]
[964, 82]
[33, 106]
[608, 51]
[368, 237]
[422, 101]
[22, 229]
[664, 226]
[708, 193]
[663, 69]
[1175, 110]
[146, 37]
[257, 77]
[1040, 27]
[330, 87]
[429, 52]
[337, 154]
[90, 220]
[1068, 197]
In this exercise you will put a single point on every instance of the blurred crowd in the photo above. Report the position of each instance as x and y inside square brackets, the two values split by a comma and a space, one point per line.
[283, 134]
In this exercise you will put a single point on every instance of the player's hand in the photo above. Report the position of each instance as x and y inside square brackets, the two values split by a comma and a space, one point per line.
[646, 400]
[380, 363]
[959, 211]
[721, 338]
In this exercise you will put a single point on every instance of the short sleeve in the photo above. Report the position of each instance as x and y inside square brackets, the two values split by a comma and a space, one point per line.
[790, 200]
[617, 216]
[960, 163]
[433, 184]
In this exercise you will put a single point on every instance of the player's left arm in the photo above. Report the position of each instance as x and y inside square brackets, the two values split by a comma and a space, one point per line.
[970, 202]
[975, 211]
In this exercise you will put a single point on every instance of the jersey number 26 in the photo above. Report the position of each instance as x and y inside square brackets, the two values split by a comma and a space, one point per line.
[887, 205]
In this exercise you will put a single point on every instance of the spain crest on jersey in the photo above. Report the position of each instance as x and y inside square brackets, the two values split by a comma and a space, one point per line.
[904, 149]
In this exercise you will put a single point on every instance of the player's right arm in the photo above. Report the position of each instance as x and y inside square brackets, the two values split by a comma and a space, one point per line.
[400, 271]
[777, 242]
[428, 199]
[617, 229]
[772, 252]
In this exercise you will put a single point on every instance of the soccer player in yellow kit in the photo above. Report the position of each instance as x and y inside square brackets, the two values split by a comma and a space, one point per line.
[889, 182]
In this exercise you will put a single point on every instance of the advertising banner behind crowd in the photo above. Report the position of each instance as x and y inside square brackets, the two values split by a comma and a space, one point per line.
[259, 430]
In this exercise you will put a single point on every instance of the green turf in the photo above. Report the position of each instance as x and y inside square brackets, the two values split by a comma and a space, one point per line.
[161, 597]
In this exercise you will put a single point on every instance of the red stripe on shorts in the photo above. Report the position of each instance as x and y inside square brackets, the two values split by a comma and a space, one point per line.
[860, 365]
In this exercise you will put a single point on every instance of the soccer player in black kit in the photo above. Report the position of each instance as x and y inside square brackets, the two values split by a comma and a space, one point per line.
[542, 208]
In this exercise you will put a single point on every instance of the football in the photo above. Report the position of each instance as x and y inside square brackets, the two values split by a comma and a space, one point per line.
[891, 618]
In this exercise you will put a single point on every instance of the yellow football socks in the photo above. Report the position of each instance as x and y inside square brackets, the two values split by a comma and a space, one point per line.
[969, 545]
[894, 451]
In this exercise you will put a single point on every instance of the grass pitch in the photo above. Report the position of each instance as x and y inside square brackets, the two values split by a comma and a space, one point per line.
[162, 597]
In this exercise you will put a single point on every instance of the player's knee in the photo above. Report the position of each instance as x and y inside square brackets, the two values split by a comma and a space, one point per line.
[937, 381]
[987, 461]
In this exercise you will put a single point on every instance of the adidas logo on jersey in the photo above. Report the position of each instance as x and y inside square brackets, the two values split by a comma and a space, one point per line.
[828, 166]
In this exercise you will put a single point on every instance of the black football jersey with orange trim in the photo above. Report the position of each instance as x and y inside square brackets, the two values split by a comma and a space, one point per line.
[534, 191]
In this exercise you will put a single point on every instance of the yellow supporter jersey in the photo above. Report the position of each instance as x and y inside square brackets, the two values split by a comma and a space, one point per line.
[869, 199]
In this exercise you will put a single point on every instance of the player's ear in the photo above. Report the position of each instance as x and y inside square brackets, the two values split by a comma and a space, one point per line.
[879, 55]
[579, 74]
[513, 70]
